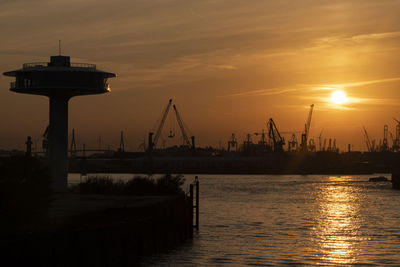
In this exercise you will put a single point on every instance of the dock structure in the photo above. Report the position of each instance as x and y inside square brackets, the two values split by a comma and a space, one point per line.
[102, 230]
[60, 80]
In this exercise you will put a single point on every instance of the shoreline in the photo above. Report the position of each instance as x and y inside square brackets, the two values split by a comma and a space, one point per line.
[102, 230]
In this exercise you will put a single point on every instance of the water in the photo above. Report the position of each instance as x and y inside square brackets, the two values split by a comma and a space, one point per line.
[259, 220]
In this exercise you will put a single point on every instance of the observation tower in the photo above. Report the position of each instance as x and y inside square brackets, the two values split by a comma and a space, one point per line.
[59, 80]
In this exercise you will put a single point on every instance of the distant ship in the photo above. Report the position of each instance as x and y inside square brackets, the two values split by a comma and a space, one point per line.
[379, 179]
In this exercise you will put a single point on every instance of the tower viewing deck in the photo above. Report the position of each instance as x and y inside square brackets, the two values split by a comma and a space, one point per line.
[60, 80]
[61, 77]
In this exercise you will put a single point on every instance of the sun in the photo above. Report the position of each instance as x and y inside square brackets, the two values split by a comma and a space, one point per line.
[338, 97]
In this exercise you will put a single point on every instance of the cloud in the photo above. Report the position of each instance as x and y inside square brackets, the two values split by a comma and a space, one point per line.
[348, 40]
[354, 84]
[353, 103]
[263, 92]
[375, 36]
[317, 87]
[225, 67]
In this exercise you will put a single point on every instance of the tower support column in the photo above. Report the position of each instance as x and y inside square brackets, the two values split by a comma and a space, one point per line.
[58, 143]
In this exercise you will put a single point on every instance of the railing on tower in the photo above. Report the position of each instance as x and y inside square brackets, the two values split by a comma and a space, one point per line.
[44, 64]
[34, 65]
[83, 65]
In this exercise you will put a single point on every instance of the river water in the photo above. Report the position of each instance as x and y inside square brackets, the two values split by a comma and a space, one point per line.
[258, 220]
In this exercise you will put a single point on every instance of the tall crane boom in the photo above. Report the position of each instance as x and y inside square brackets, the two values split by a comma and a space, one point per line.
[164, 116]
[367, 140]
[307, 128]
[276, 137]
[305, 135]
[182, 126]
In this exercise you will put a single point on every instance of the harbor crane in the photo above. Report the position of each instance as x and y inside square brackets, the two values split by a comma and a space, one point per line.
[162, 122]
[232, 143]
[276, 137]
[367, 140]
[385, 146]
[396, 141]
[305, 135]
[293, 144]
[181, 124]
[142, 145]
[45, 141]
[122, 143]
[393, 141]
[373, 147]
[334, 148]
[247, 145]
[182, 127]
[319, 139]
[73, 144]
[330, 145]
[311, 145]
[263, 140]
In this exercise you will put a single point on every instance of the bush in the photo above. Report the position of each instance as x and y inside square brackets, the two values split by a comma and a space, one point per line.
[169, 184]
[137, 186]
[25, 193]
[100, 185]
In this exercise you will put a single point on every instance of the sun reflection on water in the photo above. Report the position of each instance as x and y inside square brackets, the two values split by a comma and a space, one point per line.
[338, 224]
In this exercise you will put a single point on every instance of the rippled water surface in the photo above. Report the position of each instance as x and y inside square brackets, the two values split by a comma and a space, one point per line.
[261, 220]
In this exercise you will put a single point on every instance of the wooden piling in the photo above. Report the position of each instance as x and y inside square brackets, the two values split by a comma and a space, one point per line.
[195, 206]
[197, 203]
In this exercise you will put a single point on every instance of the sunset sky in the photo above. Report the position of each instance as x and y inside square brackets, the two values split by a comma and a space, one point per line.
[228, 65]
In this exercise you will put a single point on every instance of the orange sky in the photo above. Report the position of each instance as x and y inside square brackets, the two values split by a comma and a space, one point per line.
[228, 65]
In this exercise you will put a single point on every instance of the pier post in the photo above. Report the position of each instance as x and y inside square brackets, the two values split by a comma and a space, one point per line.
[191, 194]
[197, 202]
[195, 206]
[191, 200]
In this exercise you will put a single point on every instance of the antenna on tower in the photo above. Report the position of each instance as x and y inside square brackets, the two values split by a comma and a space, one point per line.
[59, 47]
